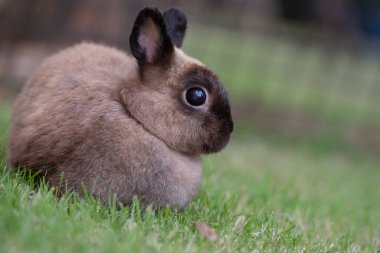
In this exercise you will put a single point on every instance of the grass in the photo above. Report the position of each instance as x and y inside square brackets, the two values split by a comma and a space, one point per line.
[256, 196]
[259, 194]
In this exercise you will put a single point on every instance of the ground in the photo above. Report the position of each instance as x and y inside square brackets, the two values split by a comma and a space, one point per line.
[256, 195]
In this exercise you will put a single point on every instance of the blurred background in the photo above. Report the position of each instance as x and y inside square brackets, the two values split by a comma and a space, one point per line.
[299, 72]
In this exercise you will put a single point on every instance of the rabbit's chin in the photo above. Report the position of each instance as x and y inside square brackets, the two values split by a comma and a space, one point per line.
[217, 142]
[214, 147]
[209, 149]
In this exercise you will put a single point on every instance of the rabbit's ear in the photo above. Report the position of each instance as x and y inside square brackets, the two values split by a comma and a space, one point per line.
[176, 23]
[149, 40]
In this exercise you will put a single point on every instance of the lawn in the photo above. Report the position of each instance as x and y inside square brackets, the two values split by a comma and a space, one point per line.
[263, 193]
[255, 196]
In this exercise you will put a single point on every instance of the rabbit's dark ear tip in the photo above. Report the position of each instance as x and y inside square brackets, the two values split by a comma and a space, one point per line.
[176, 23]
[175, 12]
[176, 19]
[149, 12]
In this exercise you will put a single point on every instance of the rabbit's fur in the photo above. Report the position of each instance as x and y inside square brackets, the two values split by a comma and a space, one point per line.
[92, 116]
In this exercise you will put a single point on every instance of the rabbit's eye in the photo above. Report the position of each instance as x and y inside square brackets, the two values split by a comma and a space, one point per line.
[196, 96]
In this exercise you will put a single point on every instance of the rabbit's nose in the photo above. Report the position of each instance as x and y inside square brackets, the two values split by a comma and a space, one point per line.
[230, 125]
[227, 127]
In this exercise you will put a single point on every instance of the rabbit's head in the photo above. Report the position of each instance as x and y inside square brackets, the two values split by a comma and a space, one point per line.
[173, 96]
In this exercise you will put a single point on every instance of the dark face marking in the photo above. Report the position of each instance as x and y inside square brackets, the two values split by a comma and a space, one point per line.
[201, 76]
[214, 117]
[221, 108]
[196, 76]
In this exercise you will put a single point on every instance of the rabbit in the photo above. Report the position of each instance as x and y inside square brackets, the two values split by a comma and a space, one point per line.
[95, 119]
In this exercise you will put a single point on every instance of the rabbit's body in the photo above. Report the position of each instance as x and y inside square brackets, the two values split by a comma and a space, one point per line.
[74, 118]
[92, 116]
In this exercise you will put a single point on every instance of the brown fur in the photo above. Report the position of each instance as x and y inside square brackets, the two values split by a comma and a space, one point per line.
[90, 115]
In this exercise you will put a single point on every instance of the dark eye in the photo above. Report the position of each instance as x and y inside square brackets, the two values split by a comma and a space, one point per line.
[196, 96]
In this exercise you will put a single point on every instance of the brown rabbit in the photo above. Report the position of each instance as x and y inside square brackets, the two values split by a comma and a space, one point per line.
[93, 116]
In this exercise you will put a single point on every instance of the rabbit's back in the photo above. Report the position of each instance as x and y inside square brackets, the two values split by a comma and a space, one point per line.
[83, 72]
[68, 95]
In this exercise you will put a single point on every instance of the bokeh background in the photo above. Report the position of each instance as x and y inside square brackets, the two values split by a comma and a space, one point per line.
[302, 170]
[298, 72]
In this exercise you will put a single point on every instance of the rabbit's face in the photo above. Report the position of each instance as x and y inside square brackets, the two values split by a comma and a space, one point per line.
[202, 99]
[178, 99]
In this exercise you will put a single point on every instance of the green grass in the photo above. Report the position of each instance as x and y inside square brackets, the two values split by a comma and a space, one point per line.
[255, 195]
